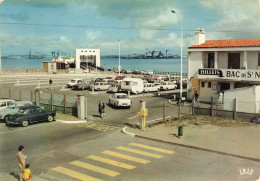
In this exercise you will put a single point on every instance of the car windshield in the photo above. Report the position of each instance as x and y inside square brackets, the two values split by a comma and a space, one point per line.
[73, 81]
[12, 105]
[122, 96]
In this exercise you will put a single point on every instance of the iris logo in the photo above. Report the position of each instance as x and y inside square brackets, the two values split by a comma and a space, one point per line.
[246, 171]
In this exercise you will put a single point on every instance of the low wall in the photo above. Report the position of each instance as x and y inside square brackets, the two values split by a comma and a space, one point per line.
[242, 116]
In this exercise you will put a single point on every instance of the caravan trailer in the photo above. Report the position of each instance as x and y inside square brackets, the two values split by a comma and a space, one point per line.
[134, 85]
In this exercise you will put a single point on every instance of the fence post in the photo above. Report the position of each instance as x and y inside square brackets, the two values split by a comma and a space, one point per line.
[192, 105]
[37, 97]
[51, 103]
[164, 112]
[20, 94]
[234, 111]
[86, 108]
[31, 96]
[211, 109]
[9, 92]
[65, 104]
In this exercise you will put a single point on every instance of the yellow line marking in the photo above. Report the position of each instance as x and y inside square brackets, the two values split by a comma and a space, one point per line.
[95, 168]
[75, 174]
[127, 157]
[139, 152]
[111, 162]
[152, 148]
[135, 116]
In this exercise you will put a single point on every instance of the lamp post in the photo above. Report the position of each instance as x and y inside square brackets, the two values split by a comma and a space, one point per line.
[119, 44]
[1, 56]
[181, 64]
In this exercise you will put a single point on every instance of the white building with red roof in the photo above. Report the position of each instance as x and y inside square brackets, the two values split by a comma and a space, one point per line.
[230, 66]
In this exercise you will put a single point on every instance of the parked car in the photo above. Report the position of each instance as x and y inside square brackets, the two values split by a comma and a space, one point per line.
[120, 77]
[100, 86]
[73, 82]
[120, 100]
[81, 84]
[134, 85]
[114, 88]
[150, 87]
[168, 86]
[13, 109]
[30, 114]
[5, 103]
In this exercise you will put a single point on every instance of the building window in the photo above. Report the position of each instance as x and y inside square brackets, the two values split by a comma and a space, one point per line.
[209, 84]
[202, 84]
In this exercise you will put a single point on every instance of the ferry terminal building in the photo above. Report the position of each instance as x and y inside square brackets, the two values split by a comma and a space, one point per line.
[231, 66]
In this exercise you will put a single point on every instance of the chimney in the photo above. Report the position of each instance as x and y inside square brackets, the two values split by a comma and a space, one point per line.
[199, 36]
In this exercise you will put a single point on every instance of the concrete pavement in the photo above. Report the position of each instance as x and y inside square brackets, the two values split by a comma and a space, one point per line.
[239, 142]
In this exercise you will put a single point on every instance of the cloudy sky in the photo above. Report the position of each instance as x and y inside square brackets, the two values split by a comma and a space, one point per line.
[64, 25]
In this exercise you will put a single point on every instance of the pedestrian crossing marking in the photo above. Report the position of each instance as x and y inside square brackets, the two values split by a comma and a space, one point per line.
[95, 168]
[111, 162]
[152, 148]
[75, 174]
[139, 152]
[98, 127]
[127, 157]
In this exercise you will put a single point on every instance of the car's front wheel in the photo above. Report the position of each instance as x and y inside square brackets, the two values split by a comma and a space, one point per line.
[6, 118]
[25, 123]
[50, 118]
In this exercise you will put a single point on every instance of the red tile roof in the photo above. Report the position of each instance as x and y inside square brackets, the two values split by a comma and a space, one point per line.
[229, 43]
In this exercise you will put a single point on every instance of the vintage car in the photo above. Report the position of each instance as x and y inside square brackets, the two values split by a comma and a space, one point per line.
[120, 100]
[4, 103]
[30, 114]
[114, 88]
[100, 86]
[73, 82]
[81, 84]
[13, 108]
[168, 86]
[150, 87]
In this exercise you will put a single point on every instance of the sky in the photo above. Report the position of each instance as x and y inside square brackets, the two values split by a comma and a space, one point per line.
[140, 25]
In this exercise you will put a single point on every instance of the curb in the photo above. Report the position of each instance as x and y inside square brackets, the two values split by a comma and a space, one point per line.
[71, 122]
[125, 132]
[191, 147]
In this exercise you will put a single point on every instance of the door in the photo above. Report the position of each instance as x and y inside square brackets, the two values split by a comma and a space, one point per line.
[224, 86]
[234, 61]
[37, 115]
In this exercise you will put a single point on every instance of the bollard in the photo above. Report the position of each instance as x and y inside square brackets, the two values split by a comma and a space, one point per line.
[180, 131]
[143, 114]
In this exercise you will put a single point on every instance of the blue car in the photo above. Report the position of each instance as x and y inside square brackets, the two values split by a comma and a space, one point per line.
[30, 114]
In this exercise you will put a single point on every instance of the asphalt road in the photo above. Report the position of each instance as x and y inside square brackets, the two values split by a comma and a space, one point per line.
[98, 150]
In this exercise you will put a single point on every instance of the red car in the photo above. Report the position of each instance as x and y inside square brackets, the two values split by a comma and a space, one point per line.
[120, 77]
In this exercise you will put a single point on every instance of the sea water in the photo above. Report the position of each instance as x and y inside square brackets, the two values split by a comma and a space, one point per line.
[162, 65]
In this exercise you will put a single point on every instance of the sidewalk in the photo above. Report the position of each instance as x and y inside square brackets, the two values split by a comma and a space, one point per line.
[238, 140]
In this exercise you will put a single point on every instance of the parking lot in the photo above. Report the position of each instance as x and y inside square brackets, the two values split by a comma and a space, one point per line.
[154, 103]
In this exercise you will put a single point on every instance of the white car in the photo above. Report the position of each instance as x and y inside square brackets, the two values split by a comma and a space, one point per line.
[150, 87]
[168, 86]
[120, 100]
[5, 103]
[100, 86]
[73, 82]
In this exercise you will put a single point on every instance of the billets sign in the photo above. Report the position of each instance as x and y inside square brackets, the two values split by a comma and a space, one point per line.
[234, 74]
